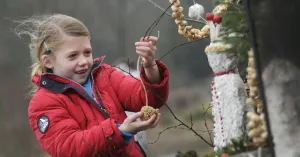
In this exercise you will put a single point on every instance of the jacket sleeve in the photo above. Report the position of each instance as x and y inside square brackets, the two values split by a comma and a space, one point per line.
[63, 137]
[130, 91]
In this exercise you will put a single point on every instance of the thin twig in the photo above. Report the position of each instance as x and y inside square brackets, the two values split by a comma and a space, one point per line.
[210, 117]
[159, 133]
[205, 123]
[182, 44]
[191, 120]
[181, 122]
[189, 42]
[157, 21]
[169, 14]
[140, 136]
[198, 130]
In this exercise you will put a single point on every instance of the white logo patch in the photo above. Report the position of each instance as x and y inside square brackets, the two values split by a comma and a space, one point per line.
[43, 124]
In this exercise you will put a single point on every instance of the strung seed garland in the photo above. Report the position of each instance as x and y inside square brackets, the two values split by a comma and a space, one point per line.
[193, 33]
[257, 129]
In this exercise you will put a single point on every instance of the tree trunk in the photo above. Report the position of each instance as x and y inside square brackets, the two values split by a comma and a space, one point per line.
[277, 41]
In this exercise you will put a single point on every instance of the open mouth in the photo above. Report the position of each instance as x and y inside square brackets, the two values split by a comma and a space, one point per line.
[81, 71]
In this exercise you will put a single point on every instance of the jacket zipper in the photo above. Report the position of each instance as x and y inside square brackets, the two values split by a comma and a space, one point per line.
[99, 102]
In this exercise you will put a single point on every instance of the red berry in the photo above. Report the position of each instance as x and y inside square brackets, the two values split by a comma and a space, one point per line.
[217, 19]
[224, 155]
[209, 16]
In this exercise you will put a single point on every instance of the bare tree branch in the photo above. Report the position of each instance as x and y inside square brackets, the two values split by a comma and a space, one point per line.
[205, 123]
[159, 133]
[182, 123]
[191, 120]
[157, 21]
[198, 130]
[189, 42]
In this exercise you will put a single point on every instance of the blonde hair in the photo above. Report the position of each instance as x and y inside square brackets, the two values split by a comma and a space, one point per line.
[47, 31]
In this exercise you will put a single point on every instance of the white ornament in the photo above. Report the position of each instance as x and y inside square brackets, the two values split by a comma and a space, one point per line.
[195, 11]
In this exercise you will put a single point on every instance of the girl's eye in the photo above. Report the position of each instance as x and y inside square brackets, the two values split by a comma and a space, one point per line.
[87, 52]
[72, 56]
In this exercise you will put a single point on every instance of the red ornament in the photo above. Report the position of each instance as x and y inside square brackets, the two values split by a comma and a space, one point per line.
[217, 19]
[224, 155]
[209, 16]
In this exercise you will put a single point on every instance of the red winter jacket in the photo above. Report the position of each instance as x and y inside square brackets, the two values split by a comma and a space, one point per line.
[74, 125]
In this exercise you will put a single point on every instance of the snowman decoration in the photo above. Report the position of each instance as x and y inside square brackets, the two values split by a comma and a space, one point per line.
[227, 88]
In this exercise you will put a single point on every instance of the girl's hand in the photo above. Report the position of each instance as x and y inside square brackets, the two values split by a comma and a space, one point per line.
[146, 48]
[132, 125]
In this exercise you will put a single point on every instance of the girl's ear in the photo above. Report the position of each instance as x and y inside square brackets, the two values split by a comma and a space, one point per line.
[47, 61]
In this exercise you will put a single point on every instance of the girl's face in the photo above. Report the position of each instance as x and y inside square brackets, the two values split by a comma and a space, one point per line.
[73, 59]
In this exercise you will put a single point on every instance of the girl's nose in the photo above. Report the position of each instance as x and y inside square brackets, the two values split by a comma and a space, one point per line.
[83, 61]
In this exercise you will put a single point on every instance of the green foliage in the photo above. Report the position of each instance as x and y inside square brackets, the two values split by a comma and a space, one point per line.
[199, 113]
[190, 153]
[236, 147]
[235, 32]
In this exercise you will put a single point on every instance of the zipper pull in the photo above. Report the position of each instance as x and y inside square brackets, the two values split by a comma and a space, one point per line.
[105, 112]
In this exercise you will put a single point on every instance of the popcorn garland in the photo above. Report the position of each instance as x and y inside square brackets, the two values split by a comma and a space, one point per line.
[217, 48]
[183, 29]
[252, 83]
[256, 126]
[257, 129]
[193, 33]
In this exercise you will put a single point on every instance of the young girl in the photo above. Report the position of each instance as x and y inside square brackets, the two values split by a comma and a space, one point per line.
[78, 108]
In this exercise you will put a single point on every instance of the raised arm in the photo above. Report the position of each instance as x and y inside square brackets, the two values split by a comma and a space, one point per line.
[130, 91]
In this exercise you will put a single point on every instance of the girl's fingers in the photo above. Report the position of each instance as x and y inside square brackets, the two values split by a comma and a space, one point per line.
[146, 56]
[144, 48]
[156, 121]
[147, 44]
[151, 50]
[151, 39]
[145, 124]
[157, 110]
[149, 122]
[143, 54]
[134, 117]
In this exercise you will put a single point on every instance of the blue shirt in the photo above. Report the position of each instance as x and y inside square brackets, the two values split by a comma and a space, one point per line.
[88, 87]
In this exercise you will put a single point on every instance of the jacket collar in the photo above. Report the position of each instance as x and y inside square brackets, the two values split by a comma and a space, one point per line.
[59, 84]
